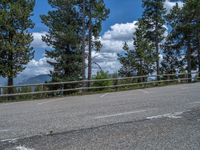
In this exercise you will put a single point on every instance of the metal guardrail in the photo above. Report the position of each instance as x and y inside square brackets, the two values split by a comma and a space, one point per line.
[85, 81]
[81, 87]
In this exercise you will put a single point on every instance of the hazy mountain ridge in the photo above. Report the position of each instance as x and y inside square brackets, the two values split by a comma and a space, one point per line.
[37, 79]
[27, 80]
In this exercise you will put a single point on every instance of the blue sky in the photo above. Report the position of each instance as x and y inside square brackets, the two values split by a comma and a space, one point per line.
[121, 11]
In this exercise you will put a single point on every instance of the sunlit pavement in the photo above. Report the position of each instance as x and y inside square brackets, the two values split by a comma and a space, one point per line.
[155, 118]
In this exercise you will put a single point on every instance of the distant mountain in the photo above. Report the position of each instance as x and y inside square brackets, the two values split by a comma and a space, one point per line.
[3, 81]
[176, 0]
[37, 79]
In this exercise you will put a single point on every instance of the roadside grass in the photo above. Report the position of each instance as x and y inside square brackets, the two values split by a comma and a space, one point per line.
[88, 92]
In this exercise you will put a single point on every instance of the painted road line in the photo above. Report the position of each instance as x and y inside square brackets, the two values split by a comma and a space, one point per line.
[120, 114]
[102, 96]
[46, 102]
[195, 102]
[184, 88]
[175, 115]
[145, 91]
[4, 131]
[9, 140]
[23, 148]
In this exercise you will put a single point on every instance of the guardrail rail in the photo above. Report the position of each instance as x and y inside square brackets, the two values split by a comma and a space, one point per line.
[46, 90]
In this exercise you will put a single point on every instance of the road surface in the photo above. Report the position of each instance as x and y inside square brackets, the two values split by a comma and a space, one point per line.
[154, 118]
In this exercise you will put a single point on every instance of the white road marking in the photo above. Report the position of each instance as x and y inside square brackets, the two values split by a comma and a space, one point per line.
[4, 130]
[175, 115]
[120, 114]
[9, 140]
[185, 88]
[46, 102]
[194, 103]
[145, 91]
[23, 148]
[104, 95]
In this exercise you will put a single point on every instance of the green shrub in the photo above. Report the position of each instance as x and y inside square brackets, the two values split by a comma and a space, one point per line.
[102, 75]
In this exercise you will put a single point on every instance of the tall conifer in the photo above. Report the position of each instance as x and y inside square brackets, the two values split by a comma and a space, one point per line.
[153, 15]
[15, 40]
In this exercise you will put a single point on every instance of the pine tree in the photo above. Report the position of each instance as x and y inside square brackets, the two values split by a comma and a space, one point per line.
[183, 34]
[96, 13]
[15, 49]
[143, 50]
[64, 36]
[197, 46]
[186, 27]
[172, 52]
[125, 59]
[83, 45]
[139, 60]
[153, 15]
[195, 9]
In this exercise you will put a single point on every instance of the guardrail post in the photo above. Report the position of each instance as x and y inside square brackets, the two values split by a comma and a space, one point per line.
[115, 84]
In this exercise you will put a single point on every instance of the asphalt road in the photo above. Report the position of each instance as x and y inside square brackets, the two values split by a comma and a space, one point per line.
[155, 118]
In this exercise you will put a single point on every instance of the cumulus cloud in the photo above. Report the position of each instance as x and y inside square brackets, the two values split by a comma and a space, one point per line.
[37, 40]
[36, 67]
[119, 32]
[112, 42]
[107, 58]
[169, 5]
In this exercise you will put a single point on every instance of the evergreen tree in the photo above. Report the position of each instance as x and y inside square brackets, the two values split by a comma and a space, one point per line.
[15, 49]
[143, 50]
[125, 58]
[197, 46]
[139, 60]
[183, 35]
[96, 12]
[186, 27]
[195, 9]
[64, 36]
[172, 53]
[153, 15]
[83, 44]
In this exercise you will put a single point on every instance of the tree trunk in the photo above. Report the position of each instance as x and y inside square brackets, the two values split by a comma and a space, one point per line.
[10, 83]
[10, 78]
[158, 61]
[199, 62]
[198, 51]
[10, 89]
[157, 47]
[189, 67]
[90, 49]
[141, 72]
[83, 42]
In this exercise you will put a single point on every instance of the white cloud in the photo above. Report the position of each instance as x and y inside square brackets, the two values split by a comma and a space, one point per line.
[36, 67]
[33, 68]
[112, 42]
[37, 40]
[169, 5]
[120, 32]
